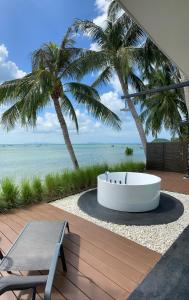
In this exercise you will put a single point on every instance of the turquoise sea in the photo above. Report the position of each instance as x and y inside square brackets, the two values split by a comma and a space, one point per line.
[25, 161]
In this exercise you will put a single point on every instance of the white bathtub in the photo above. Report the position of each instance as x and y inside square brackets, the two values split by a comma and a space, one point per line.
[140, 193]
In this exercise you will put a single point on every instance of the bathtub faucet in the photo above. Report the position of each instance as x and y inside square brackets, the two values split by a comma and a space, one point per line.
[126, 178]
[107, 174]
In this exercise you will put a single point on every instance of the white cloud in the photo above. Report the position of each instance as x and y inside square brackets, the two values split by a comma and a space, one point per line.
[8, 69]
[94, 47]
[102, 8]
[3, 52]
[112, 101]
[48, 123]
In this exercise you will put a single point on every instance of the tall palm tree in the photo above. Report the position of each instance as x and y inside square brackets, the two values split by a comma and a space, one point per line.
[165, 109]
[120, 52]
[52, 68]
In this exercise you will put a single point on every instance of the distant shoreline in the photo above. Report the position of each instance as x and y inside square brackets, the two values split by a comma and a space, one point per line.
[33, 144]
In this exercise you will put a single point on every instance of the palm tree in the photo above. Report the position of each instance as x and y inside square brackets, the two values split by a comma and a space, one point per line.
[165, 109]
[52, 67]
[120, 52]
[153, 53]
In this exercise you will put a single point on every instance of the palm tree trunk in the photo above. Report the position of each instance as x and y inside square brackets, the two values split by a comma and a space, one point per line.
[134, 113]
[186, 90]
[65, 133]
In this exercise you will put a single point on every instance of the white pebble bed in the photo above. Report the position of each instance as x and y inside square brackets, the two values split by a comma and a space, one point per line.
[156, 237]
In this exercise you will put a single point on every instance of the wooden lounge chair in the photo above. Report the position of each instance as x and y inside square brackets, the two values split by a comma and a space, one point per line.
[37, 248]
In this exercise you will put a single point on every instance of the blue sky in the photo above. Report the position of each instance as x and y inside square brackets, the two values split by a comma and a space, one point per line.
[24, 27]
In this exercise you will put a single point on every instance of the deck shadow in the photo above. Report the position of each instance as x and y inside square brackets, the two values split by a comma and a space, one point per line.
[169, 210]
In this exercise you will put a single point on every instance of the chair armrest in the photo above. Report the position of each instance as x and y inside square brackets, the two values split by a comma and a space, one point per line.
[17, 282]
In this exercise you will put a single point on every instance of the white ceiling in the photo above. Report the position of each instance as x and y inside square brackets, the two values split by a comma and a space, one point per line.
[167, 23]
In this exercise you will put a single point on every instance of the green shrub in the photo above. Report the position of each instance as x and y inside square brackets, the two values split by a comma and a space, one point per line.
[66, 183]
[129, 151]
[26, 195]
[3, 205]
[52, 185]
[59, 184]
[9, 193]
[37, 189]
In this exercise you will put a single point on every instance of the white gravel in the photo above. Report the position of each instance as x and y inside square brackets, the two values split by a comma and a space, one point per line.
[155, 237]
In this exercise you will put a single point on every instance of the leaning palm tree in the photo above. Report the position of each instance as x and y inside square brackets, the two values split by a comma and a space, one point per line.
[165, 109]
[121, 52]
[52, 68]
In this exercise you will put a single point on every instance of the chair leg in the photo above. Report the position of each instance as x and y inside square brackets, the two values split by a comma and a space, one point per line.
[62, 256]
[34, 293]
[1, 255]
[68, 228]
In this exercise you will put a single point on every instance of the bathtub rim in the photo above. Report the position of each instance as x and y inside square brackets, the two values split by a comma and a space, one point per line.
[158, 179]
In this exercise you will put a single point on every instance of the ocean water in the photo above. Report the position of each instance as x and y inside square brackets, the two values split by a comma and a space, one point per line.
[26, 161]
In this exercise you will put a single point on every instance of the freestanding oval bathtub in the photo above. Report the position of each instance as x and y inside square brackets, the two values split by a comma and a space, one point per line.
[131, 192]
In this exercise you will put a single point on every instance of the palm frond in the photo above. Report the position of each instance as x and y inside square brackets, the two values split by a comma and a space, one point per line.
[90, 98]
[114, 10]
[11, 116]
[45, 57]
[103, 78]
[68, 40]
[135, 82]
[68, 109]
[134, 36]
[31, 94]
[94, 31]
[88, 61]
[8, 90]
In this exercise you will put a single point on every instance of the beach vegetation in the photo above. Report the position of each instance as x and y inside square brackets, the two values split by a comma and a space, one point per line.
[26, 195]
[9, 193]
[58, 185]
[37, 189]
[129, 151]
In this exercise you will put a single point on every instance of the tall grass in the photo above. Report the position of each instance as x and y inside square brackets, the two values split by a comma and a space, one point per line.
[37, 189]
[26, 195]
[9, 193]
[57, 185]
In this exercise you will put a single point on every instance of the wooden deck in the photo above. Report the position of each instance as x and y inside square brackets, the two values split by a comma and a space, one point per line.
[101, 265]
[172, 181]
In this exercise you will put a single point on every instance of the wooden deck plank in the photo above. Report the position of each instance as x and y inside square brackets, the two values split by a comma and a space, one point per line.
[127, 283]
[116, 289]
[85, 283]
[106, 270]
[102, 257]
[102, 281]
[90, 232]
[132, 248]
[101, 264]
